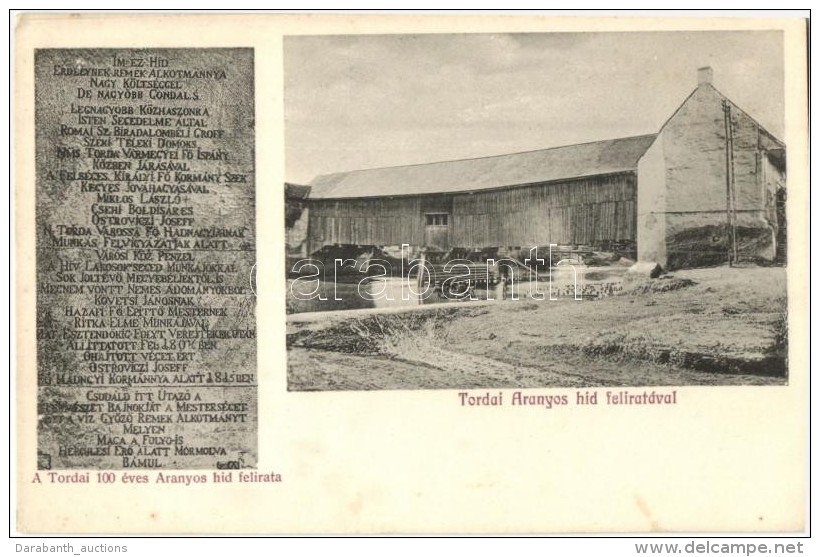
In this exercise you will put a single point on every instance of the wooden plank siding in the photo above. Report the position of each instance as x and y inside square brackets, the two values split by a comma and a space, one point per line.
[581, 211]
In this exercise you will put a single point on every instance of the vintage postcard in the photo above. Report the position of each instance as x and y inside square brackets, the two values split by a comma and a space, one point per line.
[146, 333]
[411, 274]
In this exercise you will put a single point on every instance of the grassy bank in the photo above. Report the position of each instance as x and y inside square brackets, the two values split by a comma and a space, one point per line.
[704, 326]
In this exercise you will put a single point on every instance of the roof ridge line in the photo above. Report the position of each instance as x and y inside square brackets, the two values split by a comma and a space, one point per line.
[639, 136]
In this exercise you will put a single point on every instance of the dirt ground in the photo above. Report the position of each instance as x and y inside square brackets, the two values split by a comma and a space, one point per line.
[716, 326]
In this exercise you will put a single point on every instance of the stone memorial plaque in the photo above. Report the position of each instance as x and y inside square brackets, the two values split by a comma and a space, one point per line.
[146, 333]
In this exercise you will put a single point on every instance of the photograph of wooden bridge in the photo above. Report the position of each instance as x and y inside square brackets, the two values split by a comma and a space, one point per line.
[688, 215]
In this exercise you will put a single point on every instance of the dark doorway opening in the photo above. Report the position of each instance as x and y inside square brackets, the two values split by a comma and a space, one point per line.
[437, 230]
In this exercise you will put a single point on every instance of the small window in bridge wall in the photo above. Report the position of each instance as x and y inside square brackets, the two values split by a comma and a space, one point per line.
[437, 219]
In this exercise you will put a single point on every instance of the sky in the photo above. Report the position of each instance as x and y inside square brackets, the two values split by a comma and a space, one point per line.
[368, 101]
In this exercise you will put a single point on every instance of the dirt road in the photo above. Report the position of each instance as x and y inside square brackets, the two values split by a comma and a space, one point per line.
[716, 326]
